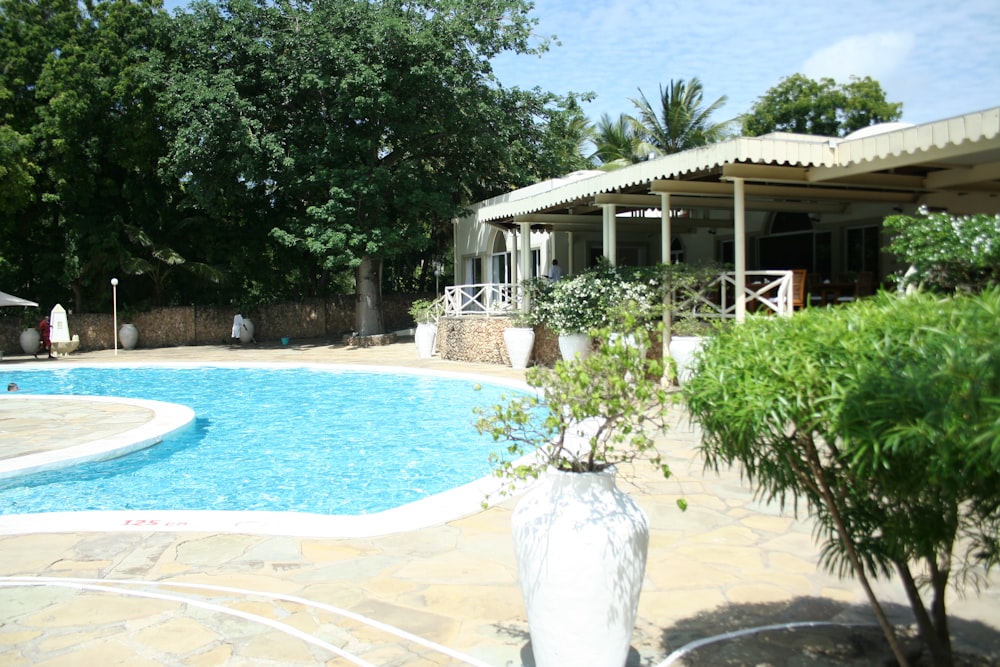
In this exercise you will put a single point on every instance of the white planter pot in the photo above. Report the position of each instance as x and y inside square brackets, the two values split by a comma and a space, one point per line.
[573, 346]
[520, 341]
[424, 337]
[581, 548]
[30, 339]
[246, 333]
[128, 336]
[683, 350]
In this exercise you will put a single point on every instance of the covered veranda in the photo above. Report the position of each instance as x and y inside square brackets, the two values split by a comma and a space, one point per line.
[728, 201]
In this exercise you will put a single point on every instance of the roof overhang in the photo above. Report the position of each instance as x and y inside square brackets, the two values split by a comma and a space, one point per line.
[952, 164]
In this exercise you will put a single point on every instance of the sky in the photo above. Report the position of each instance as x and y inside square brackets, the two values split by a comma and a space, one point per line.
[940, 58]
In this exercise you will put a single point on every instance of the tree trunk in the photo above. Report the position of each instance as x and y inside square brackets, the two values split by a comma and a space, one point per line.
[368, 311]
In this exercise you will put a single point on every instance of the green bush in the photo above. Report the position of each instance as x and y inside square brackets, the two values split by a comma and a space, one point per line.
[947, 253]
[884, 416]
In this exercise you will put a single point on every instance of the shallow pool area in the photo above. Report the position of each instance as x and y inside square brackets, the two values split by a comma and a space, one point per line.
[312, 439]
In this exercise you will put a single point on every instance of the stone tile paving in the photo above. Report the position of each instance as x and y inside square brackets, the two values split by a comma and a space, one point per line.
[728, 563]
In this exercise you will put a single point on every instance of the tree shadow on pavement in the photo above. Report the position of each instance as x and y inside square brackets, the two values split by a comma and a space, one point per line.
[814, 631]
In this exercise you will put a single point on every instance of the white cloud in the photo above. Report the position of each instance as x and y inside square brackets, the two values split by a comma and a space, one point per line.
[878, 55]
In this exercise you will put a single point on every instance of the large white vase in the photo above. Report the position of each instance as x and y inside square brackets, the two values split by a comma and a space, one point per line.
[30, 339]
[520, 341]
[683, 350]
[424, 337]
[128, 336]
[246, 333]
[574, 346]
[581, 553]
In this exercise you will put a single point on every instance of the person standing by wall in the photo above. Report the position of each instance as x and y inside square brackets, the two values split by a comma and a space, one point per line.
[238, 327]
[45, 331]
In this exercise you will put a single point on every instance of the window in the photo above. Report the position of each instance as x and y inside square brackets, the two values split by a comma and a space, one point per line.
[500, 267]
[676, 251]
[861, 249]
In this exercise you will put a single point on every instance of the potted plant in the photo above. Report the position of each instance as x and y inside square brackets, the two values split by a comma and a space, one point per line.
[519, 338]
[685, 296]
[580, 541]
[573, 307]
[426, 314]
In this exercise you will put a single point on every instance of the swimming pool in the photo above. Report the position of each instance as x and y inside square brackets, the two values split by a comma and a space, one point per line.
[323, 440]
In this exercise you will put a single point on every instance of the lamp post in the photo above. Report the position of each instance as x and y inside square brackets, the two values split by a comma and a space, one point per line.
[114, 307]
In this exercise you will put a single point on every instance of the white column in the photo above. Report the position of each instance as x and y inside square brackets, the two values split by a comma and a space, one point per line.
[666, 241]
[525, 257]
[666, 234]
[610, 234]
[514, 263]
[740, 249]
[570, 267]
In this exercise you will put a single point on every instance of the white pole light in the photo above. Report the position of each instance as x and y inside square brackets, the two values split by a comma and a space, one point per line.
[114, 306]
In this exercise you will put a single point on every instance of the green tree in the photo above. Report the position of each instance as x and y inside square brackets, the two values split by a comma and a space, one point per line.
[681, 121]
[83, 106]
[824, 107]
[883, 417]
[30, 33]
[946, 253]
[350, 130]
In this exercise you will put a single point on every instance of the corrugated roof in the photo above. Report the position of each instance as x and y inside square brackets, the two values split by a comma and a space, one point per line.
[860, 154]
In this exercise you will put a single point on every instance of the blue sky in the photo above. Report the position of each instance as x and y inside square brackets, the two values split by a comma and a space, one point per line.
[939, 58]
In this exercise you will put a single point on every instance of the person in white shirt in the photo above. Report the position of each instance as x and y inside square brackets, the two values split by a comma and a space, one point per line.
[556, 272]
[238, 327]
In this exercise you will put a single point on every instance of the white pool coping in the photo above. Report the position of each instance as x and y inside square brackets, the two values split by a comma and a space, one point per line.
[433, 510]
[168, 418]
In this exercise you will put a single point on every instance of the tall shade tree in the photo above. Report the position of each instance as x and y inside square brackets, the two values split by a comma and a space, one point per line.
[30, 34]
[681, 120]
[824, 107]
[83, 99]
[351, 129]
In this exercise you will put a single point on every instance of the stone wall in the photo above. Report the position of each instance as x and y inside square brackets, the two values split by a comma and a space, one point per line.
[212, 325]
[480, 339]
[470, 338]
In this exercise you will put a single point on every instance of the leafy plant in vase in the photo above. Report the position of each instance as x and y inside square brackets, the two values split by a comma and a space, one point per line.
[519, 338]
[581, 542]
[426, 314]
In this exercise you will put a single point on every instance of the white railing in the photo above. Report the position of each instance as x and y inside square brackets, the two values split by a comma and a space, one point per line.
[766, 292]
[482, 299]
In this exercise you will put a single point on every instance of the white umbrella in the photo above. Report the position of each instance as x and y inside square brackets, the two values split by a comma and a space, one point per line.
[11, 300]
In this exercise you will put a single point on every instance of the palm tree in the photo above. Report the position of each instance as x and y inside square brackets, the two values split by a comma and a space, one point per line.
[681, 122]
[619, 142]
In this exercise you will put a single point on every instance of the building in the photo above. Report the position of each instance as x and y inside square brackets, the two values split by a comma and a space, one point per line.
[780, 201]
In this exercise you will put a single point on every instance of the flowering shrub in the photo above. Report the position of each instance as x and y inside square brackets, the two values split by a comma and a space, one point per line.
[597, 298]
[605, 295]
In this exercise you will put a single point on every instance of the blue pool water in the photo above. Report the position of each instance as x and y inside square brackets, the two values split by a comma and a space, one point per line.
[287, 439]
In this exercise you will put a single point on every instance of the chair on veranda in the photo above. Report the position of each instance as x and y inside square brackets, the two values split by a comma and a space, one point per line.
[864, 285]
[799, 293]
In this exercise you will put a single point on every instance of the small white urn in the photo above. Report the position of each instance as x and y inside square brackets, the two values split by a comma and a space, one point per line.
[519, 341]
[128, 336]
[683, 350]
[424, 337]
[574, 346]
